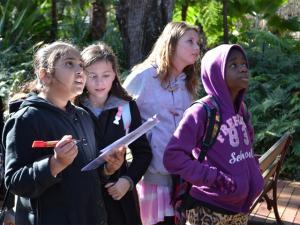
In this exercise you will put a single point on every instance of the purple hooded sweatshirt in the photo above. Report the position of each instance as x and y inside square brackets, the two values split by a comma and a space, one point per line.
[232, 152]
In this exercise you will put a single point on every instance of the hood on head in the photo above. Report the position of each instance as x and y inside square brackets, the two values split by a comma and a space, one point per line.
[213, 65]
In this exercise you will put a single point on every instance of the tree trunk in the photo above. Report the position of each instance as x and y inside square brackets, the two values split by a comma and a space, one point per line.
[202, 41]
[140, 23]
[225, 23]
[98, 17]
[184, 9]
[53, 31]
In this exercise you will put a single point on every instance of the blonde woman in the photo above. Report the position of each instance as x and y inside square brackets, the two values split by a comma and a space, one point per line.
[164, 84]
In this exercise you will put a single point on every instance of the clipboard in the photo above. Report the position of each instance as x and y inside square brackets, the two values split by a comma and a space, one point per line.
[123, 141]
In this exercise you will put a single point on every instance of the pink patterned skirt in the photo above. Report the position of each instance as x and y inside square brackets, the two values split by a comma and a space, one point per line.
[154, 202]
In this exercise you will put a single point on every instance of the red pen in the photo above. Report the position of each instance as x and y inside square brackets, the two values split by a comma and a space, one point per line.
[48, 144]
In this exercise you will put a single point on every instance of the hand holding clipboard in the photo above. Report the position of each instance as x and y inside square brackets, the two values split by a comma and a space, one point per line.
[124, 141]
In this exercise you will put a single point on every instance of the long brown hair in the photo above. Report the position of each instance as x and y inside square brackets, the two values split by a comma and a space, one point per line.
[162, 53]
[102, 52]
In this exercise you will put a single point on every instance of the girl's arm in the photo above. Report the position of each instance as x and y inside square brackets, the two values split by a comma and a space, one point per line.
[178, 157]
[141, 154]
[27, 171]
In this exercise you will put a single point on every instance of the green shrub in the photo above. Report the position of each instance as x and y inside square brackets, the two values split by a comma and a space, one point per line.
[274, 93]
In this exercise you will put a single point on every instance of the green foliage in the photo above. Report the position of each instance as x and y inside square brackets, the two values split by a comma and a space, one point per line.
[19, 19]
[274, 92]
[283, 26]
[22, 24]
[212, 21]
[25, 25]
[204, 12]
[15, 68]
[112, 37]
[243, 15]
[249, 14]
[193, 11]
[73, 21]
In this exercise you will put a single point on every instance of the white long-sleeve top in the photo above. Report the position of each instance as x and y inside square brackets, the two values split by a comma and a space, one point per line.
[168, 103]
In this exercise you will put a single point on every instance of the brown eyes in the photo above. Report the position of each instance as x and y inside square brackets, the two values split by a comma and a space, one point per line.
[234, 65]
[71, 64]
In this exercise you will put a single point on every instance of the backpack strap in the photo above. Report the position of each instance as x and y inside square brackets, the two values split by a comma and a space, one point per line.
[126, 117]
[212, 126]
[247, 119]
[245, 112]
[2, 167]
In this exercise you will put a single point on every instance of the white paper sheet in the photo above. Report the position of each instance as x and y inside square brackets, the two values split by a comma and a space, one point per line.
[124, 141]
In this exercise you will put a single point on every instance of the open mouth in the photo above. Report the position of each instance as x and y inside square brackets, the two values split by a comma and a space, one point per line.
[78, 82]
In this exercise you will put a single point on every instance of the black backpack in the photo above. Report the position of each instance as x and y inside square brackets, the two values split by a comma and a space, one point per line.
[181, 188]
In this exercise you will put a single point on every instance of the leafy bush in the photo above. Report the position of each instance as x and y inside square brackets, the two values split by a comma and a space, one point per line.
[207, 13]
[15, 68]
[274, 92]
[22, 25]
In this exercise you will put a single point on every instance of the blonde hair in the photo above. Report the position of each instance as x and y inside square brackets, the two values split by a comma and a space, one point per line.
[163, 51]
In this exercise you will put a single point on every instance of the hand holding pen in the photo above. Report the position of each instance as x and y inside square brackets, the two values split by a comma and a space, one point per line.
[114, 160]
[65, 152]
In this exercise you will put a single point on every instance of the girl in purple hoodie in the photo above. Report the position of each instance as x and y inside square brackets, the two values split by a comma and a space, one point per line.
[229, 179]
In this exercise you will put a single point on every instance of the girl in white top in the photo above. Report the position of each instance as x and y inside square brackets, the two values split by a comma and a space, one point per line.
[164, 84]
